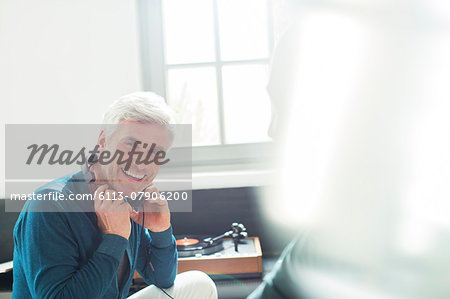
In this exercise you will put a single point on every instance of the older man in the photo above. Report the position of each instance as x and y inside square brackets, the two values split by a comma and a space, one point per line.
[62, 254]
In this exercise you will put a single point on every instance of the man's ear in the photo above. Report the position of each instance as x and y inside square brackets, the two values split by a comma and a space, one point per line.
[101, 141]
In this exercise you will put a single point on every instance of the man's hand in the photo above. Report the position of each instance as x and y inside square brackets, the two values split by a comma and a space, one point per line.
[113, 216]
[157, 214]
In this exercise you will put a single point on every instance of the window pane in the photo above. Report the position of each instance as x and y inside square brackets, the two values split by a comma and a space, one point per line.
[192, 93]
[246, 103]
[243, 29]
[188, 31]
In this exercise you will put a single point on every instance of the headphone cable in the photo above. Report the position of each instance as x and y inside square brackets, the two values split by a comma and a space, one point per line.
[148, 259]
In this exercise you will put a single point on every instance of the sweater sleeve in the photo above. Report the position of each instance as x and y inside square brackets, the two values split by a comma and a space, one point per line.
[158, 251]
[49, 256]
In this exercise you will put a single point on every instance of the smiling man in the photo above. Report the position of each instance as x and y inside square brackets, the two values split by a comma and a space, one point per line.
[93, 253]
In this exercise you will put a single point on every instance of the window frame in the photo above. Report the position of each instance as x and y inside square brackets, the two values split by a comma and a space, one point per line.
[154, 75]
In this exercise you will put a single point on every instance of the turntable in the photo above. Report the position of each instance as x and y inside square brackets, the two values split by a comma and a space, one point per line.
[231, 253]
[195, 246]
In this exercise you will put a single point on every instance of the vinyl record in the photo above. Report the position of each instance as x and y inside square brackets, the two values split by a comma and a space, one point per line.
[192, 246]
[187, 241]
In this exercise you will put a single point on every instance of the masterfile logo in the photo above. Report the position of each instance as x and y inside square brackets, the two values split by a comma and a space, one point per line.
[39, 154]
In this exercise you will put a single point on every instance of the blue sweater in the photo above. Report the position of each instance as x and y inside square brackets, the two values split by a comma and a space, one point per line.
[62, 254]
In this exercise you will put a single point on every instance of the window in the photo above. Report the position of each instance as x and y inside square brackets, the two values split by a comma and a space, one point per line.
[209, 59]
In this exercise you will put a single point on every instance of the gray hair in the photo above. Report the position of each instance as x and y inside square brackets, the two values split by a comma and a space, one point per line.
[142, 107]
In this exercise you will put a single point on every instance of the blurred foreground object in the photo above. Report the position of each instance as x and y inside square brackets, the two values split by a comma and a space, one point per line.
[364, 151]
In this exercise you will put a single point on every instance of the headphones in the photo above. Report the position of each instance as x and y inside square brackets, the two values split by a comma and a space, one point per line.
[137, 204]
[89, 178]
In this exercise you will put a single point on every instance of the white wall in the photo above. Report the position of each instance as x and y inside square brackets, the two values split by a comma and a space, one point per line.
[64, 61]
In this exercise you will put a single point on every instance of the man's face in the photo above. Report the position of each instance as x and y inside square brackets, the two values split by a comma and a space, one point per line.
[138, 176]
